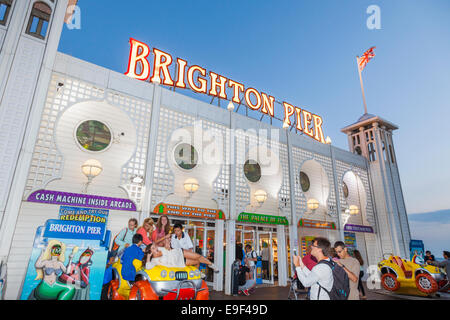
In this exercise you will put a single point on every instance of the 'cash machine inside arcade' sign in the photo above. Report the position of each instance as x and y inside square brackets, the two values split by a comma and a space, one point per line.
[81, 200]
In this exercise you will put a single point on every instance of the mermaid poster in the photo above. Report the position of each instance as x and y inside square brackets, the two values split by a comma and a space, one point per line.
[64, 268]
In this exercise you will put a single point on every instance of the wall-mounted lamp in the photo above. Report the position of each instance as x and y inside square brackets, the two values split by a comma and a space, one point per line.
[312, 204]
[191, 185]
[91, 168]
[261, 197]
[353, 210]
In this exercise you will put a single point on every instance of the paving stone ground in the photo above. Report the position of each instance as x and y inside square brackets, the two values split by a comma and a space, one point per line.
[281, 293]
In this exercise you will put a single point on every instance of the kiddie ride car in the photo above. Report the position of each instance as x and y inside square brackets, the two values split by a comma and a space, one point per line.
[159, 283]
[410, 277]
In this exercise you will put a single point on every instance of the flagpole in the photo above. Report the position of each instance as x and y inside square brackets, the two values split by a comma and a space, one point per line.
[362, 86]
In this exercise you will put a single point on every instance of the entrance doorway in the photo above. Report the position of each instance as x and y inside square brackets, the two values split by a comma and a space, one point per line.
[264, 241]
[267, 250]
[202, 235]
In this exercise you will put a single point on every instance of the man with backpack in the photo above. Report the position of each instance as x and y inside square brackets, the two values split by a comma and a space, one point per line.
[327, 280]
[351, 267]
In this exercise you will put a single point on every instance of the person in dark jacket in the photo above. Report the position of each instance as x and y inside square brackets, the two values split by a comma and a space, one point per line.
[428, 256]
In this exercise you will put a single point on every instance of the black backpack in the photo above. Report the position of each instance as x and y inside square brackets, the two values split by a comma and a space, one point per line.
[241, 276]
[341, 284]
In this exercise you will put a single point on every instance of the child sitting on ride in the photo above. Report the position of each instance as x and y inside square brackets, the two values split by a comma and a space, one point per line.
[129, 255]
[174, 258]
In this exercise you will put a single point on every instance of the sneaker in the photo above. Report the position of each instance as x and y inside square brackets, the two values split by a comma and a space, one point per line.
[246, 292]
[214, 268]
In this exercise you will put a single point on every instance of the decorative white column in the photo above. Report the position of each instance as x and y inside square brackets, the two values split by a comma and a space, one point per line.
[230, 253]
[336, 191]
[151, 150]
[293, 233]
[218, 255]
[230, 232]
[282, 267]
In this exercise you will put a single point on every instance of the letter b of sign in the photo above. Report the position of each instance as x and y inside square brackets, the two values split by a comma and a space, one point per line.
[73, 20]
[374, 21]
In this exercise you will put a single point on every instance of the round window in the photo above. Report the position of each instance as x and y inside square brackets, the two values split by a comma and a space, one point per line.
[345, 189]
[304, 181]
[93, 135]
[252, 171]
[186, 156]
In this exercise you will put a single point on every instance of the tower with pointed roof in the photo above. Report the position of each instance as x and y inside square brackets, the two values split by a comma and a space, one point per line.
[372, 137]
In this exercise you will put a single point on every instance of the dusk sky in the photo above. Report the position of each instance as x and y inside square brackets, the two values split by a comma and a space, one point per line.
[304, 52]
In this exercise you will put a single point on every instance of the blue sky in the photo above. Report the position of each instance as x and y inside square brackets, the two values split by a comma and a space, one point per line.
[303, 52]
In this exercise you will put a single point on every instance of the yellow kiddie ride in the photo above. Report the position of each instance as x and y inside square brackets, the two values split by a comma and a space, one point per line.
[409, 277]
[159, 283]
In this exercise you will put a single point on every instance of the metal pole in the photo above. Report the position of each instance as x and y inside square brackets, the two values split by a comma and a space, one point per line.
[362, 86]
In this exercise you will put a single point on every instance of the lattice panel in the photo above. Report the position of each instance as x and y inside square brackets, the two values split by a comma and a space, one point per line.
[221, 185]
[140, 113]
[284, 196]
[163, 178]
[299, 156]
[47, 162]
[242, 187]
[341, 169]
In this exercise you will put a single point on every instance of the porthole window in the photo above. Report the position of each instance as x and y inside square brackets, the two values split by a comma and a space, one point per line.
[5, 8]
[304, 181]
[186, 156]
[345, 190]
[93, 135]
[39, 20]
[252, 171]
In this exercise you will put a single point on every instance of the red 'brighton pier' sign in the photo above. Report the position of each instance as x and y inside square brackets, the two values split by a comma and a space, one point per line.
[215, 85]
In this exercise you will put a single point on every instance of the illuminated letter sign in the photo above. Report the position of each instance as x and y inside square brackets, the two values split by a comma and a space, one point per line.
[138, 56]
[199, 80]
[160, 65]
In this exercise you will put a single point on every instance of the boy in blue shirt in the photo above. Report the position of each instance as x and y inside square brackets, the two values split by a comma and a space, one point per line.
[131, 253]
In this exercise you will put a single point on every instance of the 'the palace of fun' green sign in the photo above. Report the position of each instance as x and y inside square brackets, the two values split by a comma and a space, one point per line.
[262, 218]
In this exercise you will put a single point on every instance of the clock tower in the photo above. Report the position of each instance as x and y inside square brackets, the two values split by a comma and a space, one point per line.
[372, 137]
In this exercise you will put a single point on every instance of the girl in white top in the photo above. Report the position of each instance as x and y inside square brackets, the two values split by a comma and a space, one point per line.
[174, 258]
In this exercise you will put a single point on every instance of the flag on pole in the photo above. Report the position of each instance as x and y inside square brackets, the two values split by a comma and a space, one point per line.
[366, 57]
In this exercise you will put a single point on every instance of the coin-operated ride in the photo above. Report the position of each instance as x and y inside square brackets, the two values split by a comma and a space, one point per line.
[410, 277]
[158, 283]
